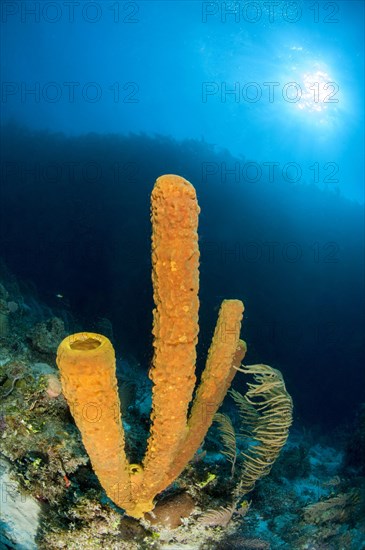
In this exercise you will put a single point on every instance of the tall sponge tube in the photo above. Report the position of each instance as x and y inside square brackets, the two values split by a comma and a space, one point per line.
[87, 365]
[175, 278]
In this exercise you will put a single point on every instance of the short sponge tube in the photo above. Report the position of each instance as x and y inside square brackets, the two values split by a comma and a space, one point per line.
[86, 361]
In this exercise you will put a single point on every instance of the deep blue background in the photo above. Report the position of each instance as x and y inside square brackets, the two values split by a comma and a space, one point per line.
[280, 182]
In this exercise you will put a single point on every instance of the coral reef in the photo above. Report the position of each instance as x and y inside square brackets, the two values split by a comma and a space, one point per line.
[45, 336]
[313, 497]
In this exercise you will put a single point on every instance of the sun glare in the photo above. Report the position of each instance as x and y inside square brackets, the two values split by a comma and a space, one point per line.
[318, 92]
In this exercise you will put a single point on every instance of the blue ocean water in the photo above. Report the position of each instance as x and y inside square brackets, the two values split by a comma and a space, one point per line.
[260, 106]
[274, 83]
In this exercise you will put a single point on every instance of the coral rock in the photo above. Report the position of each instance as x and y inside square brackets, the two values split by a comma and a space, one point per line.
[170, 511]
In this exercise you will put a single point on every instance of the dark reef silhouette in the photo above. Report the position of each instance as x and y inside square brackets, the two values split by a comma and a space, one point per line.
[75, 221]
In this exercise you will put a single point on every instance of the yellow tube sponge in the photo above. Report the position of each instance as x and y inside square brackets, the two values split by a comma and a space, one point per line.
[87, 363]
[87, 366]
[224, 357]
[175, 278]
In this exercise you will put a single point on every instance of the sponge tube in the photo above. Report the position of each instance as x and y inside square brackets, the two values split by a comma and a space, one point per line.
[175, 277]
[87, 365]
[224, 357]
